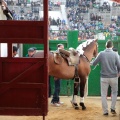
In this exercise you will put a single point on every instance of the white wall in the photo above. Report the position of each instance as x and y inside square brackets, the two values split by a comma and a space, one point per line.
[3, 50]
[53, 14]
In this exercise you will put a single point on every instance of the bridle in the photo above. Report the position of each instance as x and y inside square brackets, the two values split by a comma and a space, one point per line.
[86, 58]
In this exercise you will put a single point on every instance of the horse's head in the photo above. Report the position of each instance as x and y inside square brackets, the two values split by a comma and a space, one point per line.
[90, 48]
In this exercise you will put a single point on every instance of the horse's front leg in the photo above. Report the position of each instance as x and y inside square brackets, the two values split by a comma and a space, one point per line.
[82, 88]
[74, 99]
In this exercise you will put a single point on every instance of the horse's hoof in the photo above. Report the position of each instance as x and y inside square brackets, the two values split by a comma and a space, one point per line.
[75, 105]
[83, 106]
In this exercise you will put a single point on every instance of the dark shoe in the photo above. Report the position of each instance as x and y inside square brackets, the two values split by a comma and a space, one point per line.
[113, 111]
[105, 114]
[83, 106]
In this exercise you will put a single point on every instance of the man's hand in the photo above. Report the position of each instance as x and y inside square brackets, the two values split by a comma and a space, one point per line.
[91, 63]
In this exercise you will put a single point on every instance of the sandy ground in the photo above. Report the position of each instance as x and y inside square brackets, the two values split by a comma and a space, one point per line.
[67, 112]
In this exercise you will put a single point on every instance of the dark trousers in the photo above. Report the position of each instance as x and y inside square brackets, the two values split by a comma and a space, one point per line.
[56, 98]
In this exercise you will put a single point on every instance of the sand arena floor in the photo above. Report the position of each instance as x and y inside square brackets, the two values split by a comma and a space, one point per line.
[67, 112]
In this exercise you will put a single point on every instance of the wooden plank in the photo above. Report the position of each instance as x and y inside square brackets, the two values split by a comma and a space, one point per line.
[29, 29]
[24, 111]
[19, 77]
[25, 85]
[23, 40]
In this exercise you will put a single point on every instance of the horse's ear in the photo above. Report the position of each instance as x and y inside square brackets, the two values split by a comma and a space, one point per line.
[96, 40]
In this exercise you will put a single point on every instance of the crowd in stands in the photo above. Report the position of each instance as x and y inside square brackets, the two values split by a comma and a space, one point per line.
[78, 5]
[95, 17]
[57, 22]
[115, 4]
[104, 6]
[61, 33]
[87, 30]
[53, 5]
[75, 13]
[76, 19]
[29, 15]
[21, 12]
[83, 4]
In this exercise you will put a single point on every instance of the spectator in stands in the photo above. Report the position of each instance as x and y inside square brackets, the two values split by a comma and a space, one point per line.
[58, 21]
[21, 17]
[15, 49]
[63, 22]
[34, 49]
[15, 16]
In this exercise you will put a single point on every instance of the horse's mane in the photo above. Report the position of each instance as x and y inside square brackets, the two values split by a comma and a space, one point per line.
[85, 44]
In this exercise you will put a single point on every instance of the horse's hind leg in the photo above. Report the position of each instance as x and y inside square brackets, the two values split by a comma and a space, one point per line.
[73, 101]
[82, 87]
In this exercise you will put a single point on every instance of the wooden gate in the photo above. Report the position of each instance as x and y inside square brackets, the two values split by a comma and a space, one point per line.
[23, 81]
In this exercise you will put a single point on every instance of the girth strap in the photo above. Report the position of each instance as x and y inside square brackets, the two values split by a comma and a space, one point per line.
[76, 76]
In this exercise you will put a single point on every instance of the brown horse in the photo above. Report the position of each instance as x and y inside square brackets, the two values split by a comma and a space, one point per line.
[64, 71]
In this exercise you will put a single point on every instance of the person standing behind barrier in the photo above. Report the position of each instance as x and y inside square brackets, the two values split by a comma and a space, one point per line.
[110, 67]
[14, 53]
[34, 49]
[56, 99]
[31, 52]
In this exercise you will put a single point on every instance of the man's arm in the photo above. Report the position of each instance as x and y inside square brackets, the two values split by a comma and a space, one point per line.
[96, 60]
[118, 63]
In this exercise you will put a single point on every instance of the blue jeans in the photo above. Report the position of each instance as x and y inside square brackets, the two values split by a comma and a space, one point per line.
[56, 98]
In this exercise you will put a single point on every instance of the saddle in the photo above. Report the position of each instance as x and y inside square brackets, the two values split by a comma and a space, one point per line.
[71, 56]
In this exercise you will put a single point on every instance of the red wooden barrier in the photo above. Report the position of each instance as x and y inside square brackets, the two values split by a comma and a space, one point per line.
[24, 81]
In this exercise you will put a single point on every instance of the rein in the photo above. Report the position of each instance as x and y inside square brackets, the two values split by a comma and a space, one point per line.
[89, 62]
[86, 58]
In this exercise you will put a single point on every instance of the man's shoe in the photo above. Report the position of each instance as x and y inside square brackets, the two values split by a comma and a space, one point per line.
[105, 114]
[55, 104]
[113, 111]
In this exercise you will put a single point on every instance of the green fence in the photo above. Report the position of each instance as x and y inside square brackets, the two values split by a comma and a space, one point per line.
[94, 77]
